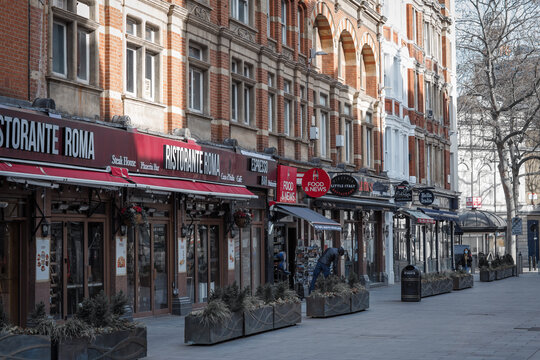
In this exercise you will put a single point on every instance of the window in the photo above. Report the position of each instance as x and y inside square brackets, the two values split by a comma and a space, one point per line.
[428, 164]
[59, 49]
[283, 22]
[268, 12]
[247, 104]
[323, 134]
[196, 89]
[368, 118]
[287, 117]
[271, 104]
[347, 110]
[248, 70]
[270, 80]
[240, 11]
[368, 148]
[301, 121]
[131, 73]
[323, 100]
[83, 55]
[387, 148]
[348, 141]
[234, 101]
[142, 61]
[234, 66]
[131, 26]
[300, 24]
[196, 79]
[60, 4]
[287, 86]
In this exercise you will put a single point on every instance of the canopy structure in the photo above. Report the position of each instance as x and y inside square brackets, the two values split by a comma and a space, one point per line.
[479, 221]
[318, 221]
[418, 216]
[440, 214]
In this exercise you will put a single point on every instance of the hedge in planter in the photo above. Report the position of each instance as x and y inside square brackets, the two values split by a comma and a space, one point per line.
[436, 284]
[462, 280]
[498, 269]
[221, 320]
[333, 296]
[286, 305]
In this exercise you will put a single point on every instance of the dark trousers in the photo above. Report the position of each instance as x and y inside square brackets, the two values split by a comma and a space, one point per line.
[318, 268]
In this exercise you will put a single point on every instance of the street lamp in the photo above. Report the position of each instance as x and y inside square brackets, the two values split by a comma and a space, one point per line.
[312, 55]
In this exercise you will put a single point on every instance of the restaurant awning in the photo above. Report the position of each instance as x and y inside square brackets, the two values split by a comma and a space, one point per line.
[440, 214]
[371, 204]
[50, 176]
[318, 221]
[419, 216]
[193, 187]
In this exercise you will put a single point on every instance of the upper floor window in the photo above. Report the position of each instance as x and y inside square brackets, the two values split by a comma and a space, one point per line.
[240, 10]
[323, 100]
[150, 33]
[268, 16]
[284, 22]
[242, 92]
[131, 26]
[198, 69]
[347, 134]
[323, 135]
[287, 86]
[347, 110]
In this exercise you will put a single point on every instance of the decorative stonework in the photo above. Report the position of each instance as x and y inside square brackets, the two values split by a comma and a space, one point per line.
[242, 31]
[198, 10]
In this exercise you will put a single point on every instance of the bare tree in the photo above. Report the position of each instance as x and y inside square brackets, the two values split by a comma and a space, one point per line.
[499, 84]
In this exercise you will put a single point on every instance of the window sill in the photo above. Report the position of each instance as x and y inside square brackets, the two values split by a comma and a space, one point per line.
[142, 100]
[245, 126]
[60, 79]
[191, 113]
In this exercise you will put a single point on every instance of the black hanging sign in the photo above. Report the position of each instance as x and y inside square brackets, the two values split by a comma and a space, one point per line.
[426, 197]
[343, 185]
[403, 192]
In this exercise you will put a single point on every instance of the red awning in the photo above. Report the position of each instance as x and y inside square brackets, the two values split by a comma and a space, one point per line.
[192, 187]
[96, 178]
[91, 178]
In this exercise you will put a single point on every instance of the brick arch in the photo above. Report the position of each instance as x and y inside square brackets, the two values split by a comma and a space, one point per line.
[346, 25]
[322, 9]
[349, 69]
[369, 68]
[367, 39]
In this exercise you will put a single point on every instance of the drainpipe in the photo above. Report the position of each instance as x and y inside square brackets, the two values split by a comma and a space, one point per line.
[28, 60]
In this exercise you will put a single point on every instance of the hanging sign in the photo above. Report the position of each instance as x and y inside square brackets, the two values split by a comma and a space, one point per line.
[181, 255]
[316, 182]
[426, 197]
[42, 259]
[121, 268]
[344, 185]
[474, 202]
[286, 185]
[403, 192]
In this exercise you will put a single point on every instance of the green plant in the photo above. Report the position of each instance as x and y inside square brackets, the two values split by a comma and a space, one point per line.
[38, 314]
[118, 303]
[214, 313]
[265, 293]
[72, 328]
[282, 293]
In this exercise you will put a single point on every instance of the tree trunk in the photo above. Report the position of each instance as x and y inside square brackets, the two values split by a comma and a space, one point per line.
[507, 186]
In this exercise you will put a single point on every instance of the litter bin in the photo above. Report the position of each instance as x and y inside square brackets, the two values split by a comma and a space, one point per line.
[411, 284]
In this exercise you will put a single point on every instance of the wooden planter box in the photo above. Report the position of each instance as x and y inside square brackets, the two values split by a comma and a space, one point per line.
[436, 287]
[258, 320]
[14, 346]
[197, 333]
[463, 282]
[287, 314]
[319, 306]
[125, 344]
[360, 301]
[487, 275]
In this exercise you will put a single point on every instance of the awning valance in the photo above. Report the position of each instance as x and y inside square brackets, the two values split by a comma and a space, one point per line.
[418, 216]
[440, 214]
[318, 221]
[372, 204]
[95, 178]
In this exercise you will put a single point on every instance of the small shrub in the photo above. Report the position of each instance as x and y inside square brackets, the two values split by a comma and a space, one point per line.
[38, 314]
[118, 303]
[265, 293]
[214, 313]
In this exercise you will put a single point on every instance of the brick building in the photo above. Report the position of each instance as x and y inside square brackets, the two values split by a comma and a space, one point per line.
[420, 125]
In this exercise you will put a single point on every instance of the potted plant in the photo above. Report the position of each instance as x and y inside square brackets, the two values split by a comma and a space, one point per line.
[28, 343]
[435, 284]
[98, 330]
[333, 296]
[462, 280]
[134, 215]
[287, 310]
[220, 320]
[487, 274]
[242, 218]
[359, 295]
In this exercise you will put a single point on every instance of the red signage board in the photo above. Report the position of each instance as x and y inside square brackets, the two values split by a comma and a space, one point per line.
[28, 135]
[316, 182]
[286, 184]
[474, 202]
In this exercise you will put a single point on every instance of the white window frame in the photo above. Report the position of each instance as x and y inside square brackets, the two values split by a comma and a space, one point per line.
[323, 148]
[268, 25]
[348, 141]
[368, 147]
[299, 23]
[247, 104]
[153, 61]
[192, 70]
[132, 92]
[283, 22]
[271, 104]
[63, 74]
[236, 6]
[302, 112]
[287, 117]
[87, 60]
[130, 22]
[235, 88]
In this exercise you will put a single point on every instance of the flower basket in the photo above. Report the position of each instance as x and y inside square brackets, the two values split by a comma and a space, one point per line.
[134, 215]
[242, 218]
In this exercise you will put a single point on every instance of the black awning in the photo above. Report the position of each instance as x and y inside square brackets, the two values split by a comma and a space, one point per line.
[418, 216]
[440, 214]
[479, 221]
[318, 221]
[372, 204]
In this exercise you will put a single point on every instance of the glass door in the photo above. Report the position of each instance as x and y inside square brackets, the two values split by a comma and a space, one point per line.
[9, 270]
[148, 269]
[202, 261]
[77, 265]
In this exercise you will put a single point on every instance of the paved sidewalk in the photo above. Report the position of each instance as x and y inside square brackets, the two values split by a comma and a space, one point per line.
[497, 320]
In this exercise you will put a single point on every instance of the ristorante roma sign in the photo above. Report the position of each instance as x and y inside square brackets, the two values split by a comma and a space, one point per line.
[28, 135]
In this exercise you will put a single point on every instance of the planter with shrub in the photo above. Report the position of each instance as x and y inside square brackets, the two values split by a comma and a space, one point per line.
[436, 284]
[333, 296]
[286, 305]
[498, 269]
[462, 280]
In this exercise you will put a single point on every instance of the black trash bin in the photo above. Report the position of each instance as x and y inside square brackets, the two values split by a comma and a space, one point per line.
[411, 284]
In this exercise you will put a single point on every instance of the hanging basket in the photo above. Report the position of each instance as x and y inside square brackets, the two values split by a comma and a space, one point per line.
[134, 215]
[242, 218]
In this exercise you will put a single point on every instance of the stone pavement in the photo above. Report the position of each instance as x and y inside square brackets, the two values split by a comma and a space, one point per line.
[497, 320]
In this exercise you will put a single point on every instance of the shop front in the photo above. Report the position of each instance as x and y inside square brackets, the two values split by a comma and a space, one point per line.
[88, 207]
